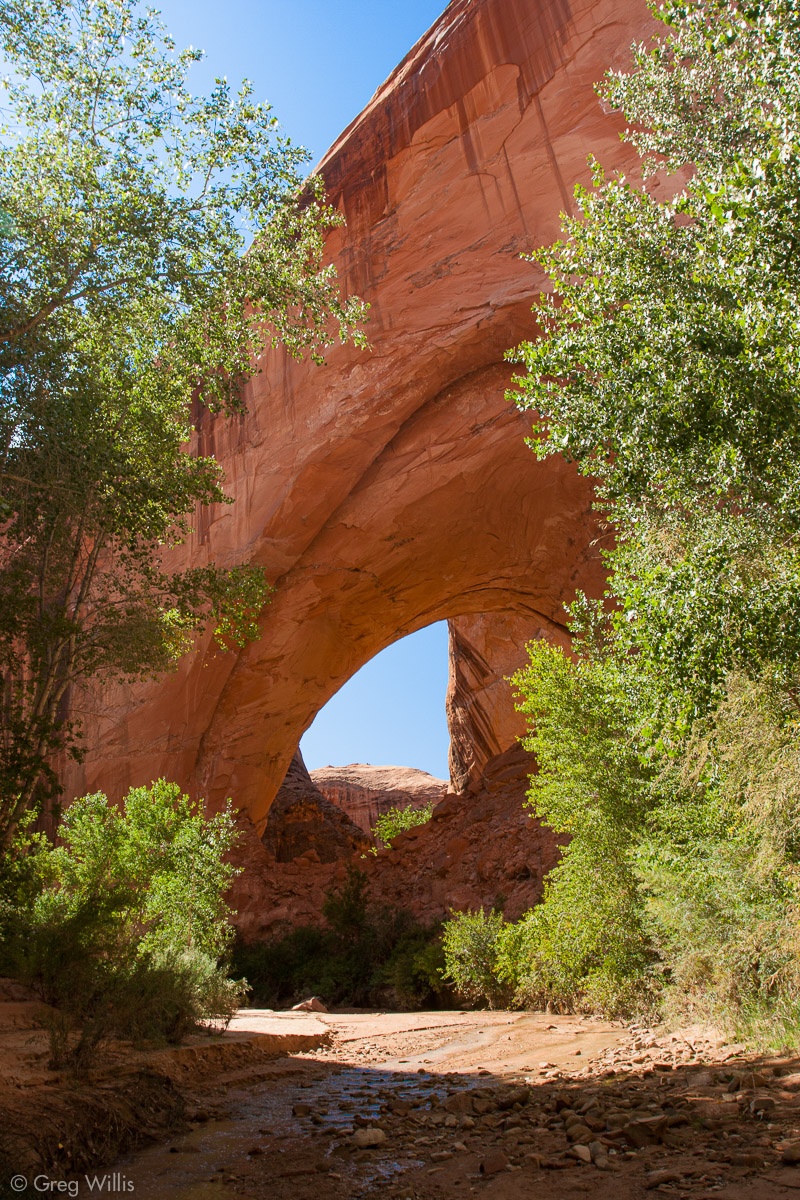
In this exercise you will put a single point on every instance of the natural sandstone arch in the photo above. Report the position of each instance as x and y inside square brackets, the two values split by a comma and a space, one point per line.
[393, 488]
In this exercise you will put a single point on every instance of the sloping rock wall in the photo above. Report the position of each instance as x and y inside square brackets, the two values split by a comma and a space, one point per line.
[392, 488]
[479, 849]
[364, 792]
[304, 823]
[485, 651]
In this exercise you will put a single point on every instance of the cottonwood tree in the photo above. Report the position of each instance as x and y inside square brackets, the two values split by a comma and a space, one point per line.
[153, 244]
[668, 369]
[669, 366]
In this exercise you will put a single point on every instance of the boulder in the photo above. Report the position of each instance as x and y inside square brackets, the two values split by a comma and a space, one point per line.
[314, 1004]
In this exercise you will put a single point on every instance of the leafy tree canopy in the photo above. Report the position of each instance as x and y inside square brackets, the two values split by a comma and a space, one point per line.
[396, 820]
[153, 245]
[667, 370]
[668, 365]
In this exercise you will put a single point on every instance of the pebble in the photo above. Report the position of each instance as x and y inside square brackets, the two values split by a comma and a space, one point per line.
[747, 1160]
[645, 1132]
[654, 1179]
[582, 1153]
[494, 1162]
[363, 1138]
[578, 1132]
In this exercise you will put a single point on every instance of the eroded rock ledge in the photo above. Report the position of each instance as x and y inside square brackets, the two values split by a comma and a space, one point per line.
[365, 792]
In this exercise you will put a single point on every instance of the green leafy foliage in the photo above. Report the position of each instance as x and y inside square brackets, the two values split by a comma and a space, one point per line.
[667, 370]
[364, 953]
[720, 869]
[153, 245]
[397, 820]
[669, 367]
[122, 924]
[413, 975]
[472, 946]
[585, 946]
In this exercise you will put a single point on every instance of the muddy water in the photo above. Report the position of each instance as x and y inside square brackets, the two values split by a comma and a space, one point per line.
[229, 1148]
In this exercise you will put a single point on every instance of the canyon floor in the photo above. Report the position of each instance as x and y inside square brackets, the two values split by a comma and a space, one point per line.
[404, 1106]
[506, 1106]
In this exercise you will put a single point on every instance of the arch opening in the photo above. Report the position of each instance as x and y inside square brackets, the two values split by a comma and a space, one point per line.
[391, 712]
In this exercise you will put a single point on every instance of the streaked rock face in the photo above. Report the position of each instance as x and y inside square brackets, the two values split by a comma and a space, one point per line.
[485, 651]
[392, 488]
[305, 824]
[365, 792]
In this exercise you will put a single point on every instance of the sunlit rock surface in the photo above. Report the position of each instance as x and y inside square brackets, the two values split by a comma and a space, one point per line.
[393, 488]
[365, 792]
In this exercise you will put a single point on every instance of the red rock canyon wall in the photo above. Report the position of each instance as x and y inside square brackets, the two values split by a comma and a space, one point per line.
[392, 488]
[364, 791]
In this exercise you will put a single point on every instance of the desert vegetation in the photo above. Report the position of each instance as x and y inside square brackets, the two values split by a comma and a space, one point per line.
[667, 371]
[362, 953]
[396, 820]
[121, 926]
[153, 244]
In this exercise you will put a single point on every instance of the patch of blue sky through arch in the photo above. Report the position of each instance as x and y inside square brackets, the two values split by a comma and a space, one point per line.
[391, 712]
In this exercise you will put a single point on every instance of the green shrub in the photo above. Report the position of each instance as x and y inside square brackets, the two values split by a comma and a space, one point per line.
[287, 968]
[121, 926]
[397, 820]
[471, 942]
[721, 869]
[680, 884]
[586, 946]
[364, 953]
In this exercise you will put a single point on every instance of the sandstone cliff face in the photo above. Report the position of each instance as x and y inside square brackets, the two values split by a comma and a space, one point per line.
[479, 849]
[392, 488]
[304, 823]
[485, 651]
[364, 792]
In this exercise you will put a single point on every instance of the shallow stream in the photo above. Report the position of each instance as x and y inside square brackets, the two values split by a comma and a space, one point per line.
[262, 1131]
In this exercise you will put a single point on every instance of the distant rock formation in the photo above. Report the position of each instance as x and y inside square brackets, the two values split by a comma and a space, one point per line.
[303, 823]
[480, 848]
[364, 792]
